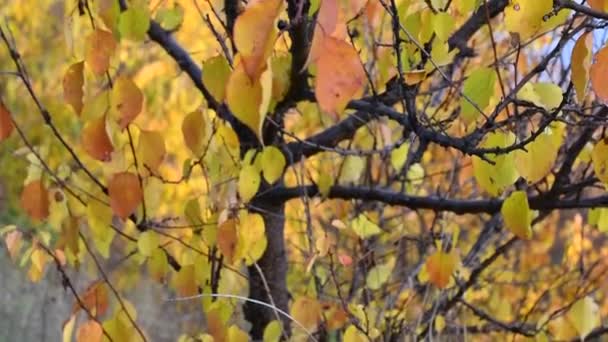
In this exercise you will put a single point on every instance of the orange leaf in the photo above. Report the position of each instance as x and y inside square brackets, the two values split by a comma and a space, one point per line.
[227, 239]
[95, 299]
[255, 33]
[440, 266]
[125, 194]
[340, 76]
[127, 99]
[329, 24]
[599, 74]
[307, 311]
[73, 81]
[6, 124]
[581, 62]
[89, 331]
[100, 46]
[35, 200]
[95, 139]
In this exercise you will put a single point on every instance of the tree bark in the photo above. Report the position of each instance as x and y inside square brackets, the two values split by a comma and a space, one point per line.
[273, 265]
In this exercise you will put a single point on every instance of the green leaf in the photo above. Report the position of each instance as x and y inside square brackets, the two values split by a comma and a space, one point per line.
[134, 23]
[479, 88]
[249, 182]
[216, 72]
[170, 18]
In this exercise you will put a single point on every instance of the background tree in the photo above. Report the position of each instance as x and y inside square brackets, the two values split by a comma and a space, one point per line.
[323, 169]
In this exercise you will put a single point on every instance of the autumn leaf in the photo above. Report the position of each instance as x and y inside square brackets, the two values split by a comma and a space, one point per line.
[244, 97]
[194, 130]
[255, 33]
[151, 148]
[134, 22]
[336, 86]
[100, 46]
[516, 214]
[73, 83]
[125, 194]
[89, 331]
[306, 311]
[94, 299]
[227, 239]
[581, 64]
[6, 123]
[216, 72]
[127, 99]
[95, 140]
[440, 266]
[35, 200]
[252, 240]
[273, 162]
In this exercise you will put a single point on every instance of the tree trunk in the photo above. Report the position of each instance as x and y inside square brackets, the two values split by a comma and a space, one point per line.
[273, 265]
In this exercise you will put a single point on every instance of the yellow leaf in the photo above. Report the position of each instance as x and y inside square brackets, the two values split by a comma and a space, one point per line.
[249, 182]
[440, 266]
[364, 228]
[158, 265]
[535, 163]
[244, 97]
[216, 72]
[184, 281]
[151, 148]
[99, 218]
[73, 81]
[194, 132]
[134, 22]
[324, 183]
[237, 335]
[251, 237]
[352, 334]
[439, 323]
[516, 214]
[479, 88]
[306, 311]
[495, 178]
[127, 99]
[100, 46]
[255, 33]
[147, 242]
[584, 315]
[414, 76]
[443, 24]
[351, 169]
[525, 17]
[273, 331]
[68, 329]
[273, 164]
[546, 95]
[599, 157]
[581, 64]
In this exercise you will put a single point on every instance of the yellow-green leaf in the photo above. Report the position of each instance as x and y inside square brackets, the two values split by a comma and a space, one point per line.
[134, 22]
[479, 88]
[273, 162]
[147, 242]
[216, 72]
[273, 331]
[364, 228]
[584, 315]
[516, 214]
[249, 182]
[495, 178]
[378, 276]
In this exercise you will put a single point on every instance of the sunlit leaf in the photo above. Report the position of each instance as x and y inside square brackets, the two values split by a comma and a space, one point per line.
[545, 95]
[495, 178]
[525, 17]
[540, 155]
[249, 182]
[244, 97]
